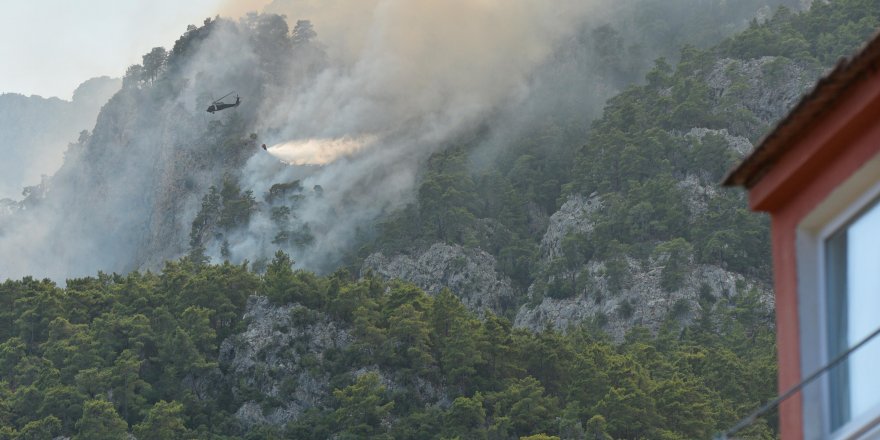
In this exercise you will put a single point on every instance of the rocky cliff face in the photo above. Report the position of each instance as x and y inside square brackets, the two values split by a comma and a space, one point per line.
[573, 217]
[642, 301]
[469, 273]
[279, 356]
[700, 187]
[277, 364]
[765, 88]
[761, 91]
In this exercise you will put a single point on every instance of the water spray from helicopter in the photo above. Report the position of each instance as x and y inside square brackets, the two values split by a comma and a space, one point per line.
[318, 151]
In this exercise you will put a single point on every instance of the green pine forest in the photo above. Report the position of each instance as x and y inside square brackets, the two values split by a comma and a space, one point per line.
[142, 353]
[139, 353]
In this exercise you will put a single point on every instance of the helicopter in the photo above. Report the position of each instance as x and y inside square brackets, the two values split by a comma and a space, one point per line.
[218, 105]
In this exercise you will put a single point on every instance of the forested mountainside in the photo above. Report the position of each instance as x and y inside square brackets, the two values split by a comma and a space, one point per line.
[569, 280]
[628, 223]
[35, 131]
[220, 352]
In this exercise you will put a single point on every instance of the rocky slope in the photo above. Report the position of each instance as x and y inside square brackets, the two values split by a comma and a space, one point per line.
[470, 273]
[278, 366]
[642, 302]
[765, 88]
[573, 217]
[279, 356]
[760, 90]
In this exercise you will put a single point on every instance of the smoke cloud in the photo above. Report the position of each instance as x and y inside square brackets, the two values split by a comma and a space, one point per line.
[351, 116]
[421, 74]
[412, 77]
[34, 131]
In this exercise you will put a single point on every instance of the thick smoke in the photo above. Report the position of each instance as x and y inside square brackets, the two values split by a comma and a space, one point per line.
[424, 73]
[414, 76]
[352, 116]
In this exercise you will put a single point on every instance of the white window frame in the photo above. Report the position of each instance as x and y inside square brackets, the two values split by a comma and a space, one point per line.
[841, 206]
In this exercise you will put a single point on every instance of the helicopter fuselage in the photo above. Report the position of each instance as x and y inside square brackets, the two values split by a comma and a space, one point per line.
[216, 106]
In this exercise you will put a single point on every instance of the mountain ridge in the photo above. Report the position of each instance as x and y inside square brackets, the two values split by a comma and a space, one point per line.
[638, 303]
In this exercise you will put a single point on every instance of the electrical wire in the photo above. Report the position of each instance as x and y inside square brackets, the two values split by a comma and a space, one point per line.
[748, 420]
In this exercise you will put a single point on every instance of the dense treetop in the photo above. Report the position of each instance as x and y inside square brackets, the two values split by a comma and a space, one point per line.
[112, 354]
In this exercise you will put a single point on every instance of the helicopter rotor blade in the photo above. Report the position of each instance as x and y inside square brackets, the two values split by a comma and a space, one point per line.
[224, 96]
[217, 101]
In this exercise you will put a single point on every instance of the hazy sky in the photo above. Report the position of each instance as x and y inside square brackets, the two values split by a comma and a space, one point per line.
[48, 47]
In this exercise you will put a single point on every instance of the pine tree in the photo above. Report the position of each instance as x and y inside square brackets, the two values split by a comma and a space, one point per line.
[100, 421]
[164, 421]
[362, 408]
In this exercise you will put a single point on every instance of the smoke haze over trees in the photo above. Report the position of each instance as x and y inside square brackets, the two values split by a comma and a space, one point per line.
[34, 131]
[128, 193]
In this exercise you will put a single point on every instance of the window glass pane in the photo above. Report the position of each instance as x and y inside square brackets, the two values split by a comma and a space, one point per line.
[853, 286]
[863, 309]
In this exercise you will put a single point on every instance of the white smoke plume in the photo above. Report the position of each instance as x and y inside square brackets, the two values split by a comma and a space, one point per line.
[419, 74]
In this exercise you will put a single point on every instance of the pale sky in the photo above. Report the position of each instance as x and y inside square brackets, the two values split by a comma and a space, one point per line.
[49, 47]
